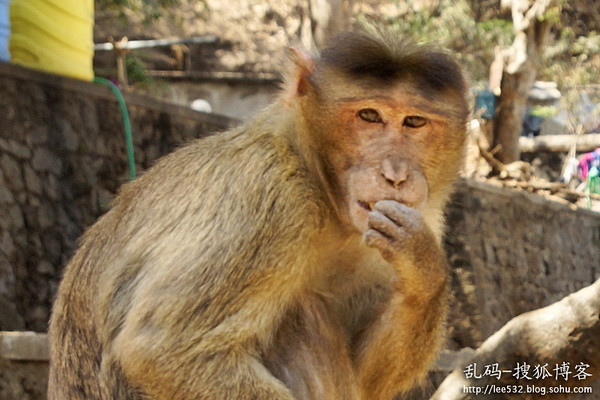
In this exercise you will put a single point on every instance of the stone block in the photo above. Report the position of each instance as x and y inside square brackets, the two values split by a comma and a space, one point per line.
[16, 149]
[6, 195]
[51, 188]
[46, 215]
[24, 346]
[45, 160]
[68, 137]
[16, 217]
[9, 316]
[45, 268]
[12, 171]
[7, 244]
[52, 247]
[33, 183]
[38, 135]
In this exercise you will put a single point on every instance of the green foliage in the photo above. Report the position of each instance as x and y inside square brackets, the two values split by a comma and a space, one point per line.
[570, 58]
[151, 9]
[587, 44]
[451, 24]
[136, 69]
[552, 15]
[543, 111]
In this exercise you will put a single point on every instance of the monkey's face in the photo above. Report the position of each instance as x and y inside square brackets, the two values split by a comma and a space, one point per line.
[396, 145]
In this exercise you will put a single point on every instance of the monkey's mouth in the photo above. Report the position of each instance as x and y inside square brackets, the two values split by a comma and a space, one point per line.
[367, 205]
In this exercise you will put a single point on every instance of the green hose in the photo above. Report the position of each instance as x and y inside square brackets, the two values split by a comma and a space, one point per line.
[126, 123]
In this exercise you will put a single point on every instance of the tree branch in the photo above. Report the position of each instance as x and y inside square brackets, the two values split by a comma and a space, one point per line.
[565, 332]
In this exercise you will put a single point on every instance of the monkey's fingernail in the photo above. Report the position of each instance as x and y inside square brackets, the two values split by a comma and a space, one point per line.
[371, 205]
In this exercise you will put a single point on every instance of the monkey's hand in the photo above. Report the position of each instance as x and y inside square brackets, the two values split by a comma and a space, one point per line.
[407, 333]
[406, 242]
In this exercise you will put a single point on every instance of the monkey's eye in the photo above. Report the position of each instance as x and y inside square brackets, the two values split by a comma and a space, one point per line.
[369, 115]
[414, 121]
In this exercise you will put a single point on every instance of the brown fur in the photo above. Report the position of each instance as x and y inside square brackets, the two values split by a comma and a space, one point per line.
[242, 266]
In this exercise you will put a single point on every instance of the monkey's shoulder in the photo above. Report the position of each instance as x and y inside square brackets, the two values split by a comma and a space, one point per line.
[230, 180]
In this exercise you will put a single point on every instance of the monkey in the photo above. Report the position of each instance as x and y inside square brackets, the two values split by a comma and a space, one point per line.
[296, 256]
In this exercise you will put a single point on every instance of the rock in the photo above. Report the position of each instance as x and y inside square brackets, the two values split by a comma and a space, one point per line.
[68, 135]
[7, 244]
[104, 199]
[68, 227]
[544, 92]
[12, 171]
[33, 183]
[51, 188]
[14, 148]
[46, 161]
[10, 319]
[16, 217]
[38, 136]
[6, 196]
[52, 247]
[46, 216]
[45, 268]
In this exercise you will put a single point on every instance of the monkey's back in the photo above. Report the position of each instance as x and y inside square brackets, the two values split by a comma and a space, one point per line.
[188, 209]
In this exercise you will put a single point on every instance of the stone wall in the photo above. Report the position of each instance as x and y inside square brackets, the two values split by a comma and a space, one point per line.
[62, 157]
[239, 99]
[512, 252]
[23, 366]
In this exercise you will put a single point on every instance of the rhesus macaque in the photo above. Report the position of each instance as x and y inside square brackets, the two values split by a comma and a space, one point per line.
[295, 257]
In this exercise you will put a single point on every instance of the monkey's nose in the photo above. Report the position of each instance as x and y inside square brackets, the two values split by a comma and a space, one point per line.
[395, 172]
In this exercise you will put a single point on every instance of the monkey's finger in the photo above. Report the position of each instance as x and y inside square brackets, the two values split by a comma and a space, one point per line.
[376, 239]
[399, 213]
[382, 223]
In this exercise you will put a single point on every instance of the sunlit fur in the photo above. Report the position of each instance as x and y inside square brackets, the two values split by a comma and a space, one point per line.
[242, 266]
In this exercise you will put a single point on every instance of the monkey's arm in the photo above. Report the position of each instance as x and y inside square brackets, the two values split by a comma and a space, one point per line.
[399, 346]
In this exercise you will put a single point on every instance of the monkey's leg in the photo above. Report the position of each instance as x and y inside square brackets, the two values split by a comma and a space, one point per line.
[207, 374]
[176, 347]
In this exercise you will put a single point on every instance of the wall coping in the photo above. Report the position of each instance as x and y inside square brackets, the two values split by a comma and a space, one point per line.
[100, 91]
[24, 346]
[32, 346]
[530, 198]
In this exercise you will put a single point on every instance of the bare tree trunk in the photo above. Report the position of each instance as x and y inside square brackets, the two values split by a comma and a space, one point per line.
[522, 62]
[328, 17]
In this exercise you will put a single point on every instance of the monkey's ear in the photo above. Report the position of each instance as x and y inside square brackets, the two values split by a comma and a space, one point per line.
[298, 82]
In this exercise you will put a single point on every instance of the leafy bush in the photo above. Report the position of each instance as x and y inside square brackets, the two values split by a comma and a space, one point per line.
[451, 24]
[474, 28]
[151, 9]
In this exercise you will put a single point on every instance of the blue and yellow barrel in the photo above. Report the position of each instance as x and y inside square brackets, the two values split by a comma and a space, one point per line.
[4, 30]
[53, 35]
